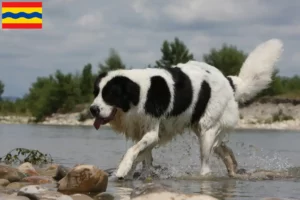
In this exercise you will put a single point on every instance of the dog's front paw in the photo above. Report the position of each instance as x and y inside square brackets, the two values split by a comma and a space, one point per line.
[123, 169]
[122, 172]
[115, 178]
[125, 165]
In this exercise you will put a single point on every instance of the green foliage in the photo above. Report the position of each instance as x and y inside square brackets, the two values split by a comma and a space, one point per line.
[278, 117]
[113, 62]
[291, 84]
[21, 155]
[18, 107]
[228, 59]
[64, 93]
[1, 88]
[86, 83]
[173, 53]
[58, 93]
[9, 107]
[275, 87]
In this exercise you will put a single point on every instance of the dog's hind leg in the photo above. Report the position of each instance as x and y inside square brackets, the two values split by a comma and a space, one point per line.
[227, 156]
[207, 139]
[148, 161]
[229, 120]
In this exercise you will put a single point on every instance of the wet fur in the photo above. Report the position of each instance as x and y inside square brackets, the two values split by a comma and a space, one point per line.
[155, 105]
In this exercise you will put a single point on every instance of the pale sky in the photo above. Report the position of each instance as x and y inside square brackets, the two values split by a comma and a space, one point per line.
[77, 32]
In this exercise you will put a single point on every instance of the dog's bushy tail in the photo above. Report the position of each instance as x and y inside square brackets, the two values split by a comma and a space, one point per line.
[256, 72]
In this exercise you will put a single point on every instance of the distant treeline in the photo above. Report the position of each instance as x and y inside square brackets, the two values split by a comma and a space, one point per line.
[65, 93]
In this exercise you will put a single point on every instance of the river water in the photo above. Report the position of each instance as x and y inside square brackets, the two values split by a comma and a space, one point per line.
[254, 149]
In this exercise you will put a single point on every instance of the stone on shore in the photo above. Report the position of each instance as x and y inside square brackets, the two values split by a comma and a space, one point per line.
[52, 167]
[16, 185]
[264, 175]
[11, 174]
[33, 189]
[3, 182]
[37, 180]
[80, 197]
[42, 193]
[28, 169]
[84, 178]
[152, 191]
[12, 197]
[49, 171]
[61, 172]
[104, 196]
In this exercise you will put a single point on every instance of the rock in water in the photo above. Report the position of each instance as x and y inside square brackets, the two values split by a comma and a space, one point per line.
[3, 182]
[11, 174]
[33, 189]
[28, 169]
[110, 171]
[53, 167]
[152, 191]
[104, 196]
[80, 197]
[36, 192]
[84, 178]
[16, 185]
[12, 197]
[37, 179]
[49, 171]
[61, 172]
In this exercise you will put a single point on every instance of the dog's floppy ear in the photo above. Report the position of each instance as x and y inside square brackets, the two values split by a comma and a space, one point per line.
[133, 92]
[130, 93]
[121, 92]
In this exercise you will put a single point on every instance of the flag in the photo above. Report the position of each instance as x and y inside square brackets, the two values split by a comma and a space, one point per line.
[22, 15]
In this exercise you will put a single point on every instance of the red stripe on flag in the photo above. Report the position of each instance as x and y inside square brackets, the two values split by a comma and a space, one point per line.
[22, 26]
[21, 4]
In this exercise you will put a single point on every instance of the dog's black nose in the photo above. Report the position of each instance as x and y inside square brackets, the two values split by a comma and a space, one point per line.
[94, 110]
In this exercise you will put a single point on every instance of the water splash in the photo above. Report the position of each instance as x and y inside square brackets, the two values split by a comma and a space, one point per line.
[253, 158]
[180, 158]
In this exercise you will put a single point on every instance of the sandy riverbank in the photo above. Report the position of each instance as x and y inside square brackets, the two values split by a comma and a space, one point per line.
[255, 116]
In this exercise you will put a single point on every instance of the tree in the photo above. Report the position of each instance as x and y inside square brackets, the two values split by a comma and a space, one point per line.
[86, 83]
[56, 93]
[275, 87]
[41, 98]
[173, 53]
[1, 88]
[228, 59]
[113, 62]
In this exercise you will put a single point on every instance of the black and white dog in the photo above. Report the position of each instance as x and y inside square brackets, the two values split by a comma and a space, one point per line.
[151, 106]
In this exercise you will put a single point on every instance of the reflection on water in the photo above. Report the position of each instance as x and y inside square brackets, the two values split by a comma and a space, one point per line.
[254, 150]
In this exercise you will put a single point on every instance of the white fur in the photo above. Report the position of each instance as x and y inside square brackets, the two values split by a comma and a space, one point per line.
[221, 114]
[256, 72]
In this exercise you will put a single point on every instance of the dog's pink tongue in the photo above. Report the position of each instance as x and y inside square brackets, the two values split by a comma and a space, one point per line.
[97, 123]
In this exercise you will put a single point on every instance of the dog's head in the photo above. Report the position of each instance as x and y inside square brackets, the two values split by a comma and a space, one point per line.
[112, 92]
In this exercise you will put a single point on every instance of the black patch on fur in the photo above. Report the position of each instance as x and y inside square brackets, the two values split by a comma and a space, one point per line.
[207, 71]
[231, 83]
[201, 104]
[96, 83]
[183, 92]
[121, 92]
[158, 97]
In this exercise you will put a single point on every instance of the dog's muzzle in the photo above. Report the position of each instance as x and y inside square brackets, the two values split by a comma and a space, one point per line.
[95, 111]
